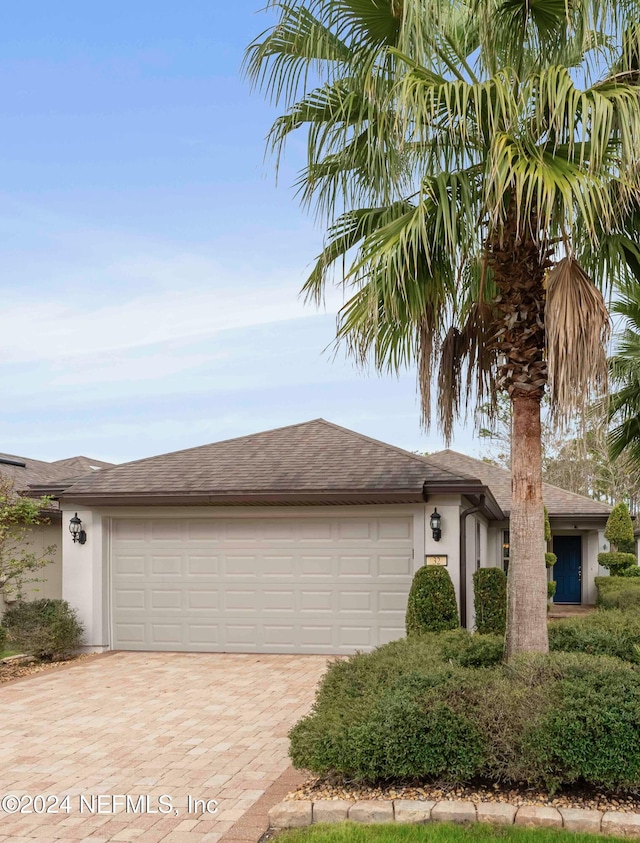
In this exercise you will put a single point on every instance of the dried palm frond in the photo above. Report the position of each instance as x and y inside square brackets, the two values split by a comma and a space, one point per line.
[449, 381]
[577, 331]
[477, 341]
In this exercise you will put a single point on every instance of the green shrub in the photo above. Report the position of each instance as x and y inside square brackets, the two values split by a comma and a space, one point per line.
[626, 546]
[475, 650]
[618, 593]
[47, 629]
[631, 571]
[612, 633]
[551, 589]
[3, 639]
[619, 528]
[403, 712]
[591, 731]
[550, 559]
[616, 561]
[490, 600]
[547, 525]
[432, 602]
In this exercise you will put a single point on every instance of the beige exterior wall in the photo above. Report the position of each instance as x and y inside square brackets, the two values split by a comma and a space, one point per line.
[50, 577]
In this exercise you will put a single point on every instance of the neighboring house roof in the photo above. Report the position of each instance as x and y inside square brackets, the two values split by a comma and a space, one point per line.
[314, 462]
[79, 466]
[558, 501]
[24, 472]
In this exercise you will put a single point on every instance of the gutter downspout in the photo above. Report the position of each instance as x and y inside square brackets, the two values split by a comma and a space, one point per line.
[463, 558]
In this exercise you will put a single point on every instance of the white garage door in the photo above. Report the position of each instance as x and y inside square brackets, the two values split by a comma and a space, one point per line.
[273, 585]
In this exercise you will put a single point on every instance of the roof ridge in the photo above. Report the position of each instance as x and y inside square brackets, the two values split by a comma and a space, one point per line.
[210, 444]
[403, 451]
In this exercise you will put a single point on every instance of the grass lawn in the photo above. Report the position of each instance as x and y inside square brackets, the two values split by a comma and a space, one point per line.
[6, 653]
[434, 833]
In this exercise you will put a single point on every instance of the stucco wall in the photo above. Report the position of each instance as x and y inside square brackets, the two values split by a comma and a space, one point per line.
[50, 576]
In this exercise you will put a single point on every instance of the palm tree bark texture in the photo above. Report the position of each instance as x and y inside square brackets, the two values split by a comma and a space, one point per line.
[519, 276]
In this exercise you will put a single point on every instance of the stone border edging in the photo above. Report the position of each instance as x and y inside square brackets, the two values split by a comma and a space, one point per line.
[301, 813]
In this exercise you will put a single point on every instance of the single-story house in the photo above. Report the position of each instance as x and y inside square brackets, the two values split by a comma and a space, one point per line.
[303, 539]
[21, 473]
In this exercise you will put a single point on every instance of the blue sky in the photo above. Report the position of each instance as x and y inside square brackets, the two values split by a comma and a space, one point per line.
[150, 266]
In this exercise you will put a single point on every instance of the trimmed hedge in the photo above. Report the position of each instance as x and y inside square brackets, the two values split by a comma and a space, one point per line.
[47, 629]
[618, 593]
[490, 600]
[612, 633]
[404, 713]
[615, 561]
[432, 603]
[631, 571]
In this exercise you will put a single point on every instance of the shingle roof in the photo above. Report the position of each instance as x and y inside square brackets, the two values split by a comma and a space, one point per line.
[312, 458]
[558, 501]
[79, 466]
[35, 472]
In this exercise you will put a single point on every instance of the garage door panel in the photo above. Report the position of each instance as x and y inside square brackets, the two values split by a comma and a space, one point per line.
[130, 598]
[203, 599]
[166, 599]
[203, 565]
[317, 601]
[240, 566]
[319, 566]
[391, 529]
[130, 565]
[278, 601]
[135, 531]
[209, 531]
[278, 566]
[356, 566]
[393, 566]
[167, 531]
[166, 566]
[326, 585]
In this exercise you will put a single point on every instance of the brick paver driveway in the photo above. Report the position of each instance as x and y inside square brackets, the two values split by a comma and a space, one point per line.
[204, 726]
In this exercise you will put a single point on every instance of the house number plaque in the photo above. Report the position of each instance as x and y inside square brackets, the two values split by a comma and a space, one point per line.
[436, 560]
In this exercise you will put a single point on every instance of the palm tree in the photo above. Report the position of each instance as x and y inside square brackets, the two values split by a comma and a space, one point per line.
[464, 156]
[624, 402]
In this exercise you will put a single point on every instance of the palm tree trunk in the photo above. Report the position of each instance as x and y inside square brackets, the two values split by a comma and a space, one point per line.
[527, 578]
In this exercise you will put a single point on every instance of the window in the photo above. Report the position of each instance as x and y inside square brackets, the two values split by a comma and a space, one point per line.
[505, 550]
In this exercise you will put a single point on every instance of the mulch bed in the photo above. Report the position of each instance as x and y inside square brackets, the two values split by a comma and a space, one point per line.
[18, 668]
[318, 788]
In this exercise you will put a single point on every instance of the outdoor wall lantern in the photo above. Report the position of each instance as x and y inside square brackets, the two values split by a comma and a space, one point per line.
[75, 528]
[435, 521]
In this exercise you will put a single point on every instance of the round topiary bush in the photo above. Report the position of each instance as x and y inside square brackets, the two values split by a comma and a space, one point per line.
[432, 603]
[631, 571]
[47, 629]
[490, 600]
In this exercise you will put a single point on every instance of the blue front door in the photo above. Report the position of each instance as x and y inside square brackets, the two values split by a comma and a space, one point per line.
[567, 572]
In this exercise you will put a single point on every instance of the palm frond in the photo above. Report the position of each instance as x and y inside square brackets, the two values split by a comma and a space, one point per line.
[577, 329]
[278, 61]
